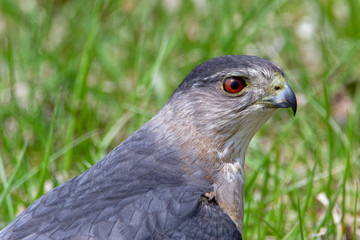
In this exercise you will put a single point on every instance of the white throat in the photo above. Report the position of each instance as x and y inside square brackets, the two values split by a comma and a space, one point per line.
[230, 185]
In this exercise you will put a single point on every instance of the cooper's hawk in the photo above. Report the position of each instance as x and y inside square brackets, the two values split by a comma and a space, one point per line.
[181, 175]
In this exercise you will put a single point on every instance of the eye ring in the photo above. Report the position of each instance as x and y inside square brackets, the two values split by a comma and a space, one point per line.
[233, 84]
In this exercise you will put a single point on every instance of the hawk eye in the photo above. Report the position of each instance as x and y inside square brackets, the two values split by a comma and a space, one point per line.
[234, 84]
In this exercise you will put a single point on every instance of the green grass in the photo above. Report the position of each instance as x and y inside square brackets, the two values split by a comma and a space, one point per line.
[78, 77]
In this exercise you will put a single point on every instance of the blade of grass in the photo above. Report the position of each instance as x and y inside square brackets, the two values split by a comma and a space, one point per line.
[310, 187]
[343, 186]
[273, 229]
[47, 152]
[81, 81]
[10, 60]
[300, 219]
[246, 219]
[290, 232]
[330, 137]
[355, 209]
[328, 211]
[8, 183]
[20, 181]
[114, 130]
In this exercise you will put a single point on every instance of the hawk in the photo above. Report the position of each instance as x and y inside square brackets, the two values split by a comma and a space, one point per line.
[179, 176]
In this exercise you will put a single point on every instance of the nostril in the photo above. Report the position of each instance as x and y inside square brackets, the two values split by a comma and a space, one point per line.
[277, 88]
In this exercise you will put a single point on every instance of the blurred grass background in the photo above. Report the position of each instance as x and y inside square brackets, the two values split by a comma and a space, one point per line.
[78, 77]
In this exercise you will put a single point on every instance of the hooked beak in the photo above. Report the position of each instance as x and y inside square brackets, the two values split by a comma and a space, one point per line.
[284, 99]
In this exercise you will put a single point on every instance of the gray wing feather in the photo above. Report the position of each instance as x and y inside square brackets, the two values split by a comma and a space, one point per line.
[135, 192]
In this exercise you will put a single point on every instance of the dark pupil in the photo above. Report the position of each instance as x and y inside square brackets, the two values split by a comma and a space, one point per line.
[235, 84]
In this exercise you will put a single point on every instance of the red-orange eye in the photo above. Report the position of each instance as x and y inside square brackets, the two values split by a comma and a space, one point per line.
[234, 84]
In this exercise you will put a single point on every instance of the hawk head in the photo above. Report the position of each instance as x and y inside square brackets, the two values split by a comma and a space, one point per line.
[215, 112]
[227, 99]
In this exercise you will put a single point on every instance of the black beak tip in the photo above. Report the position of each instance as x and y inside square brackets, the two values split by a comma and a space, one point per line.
[294, 108]
[291, 99]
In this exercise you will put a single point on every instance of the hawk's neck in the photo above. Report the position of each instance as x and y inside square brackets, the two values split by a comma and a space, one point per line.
[215, 157]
